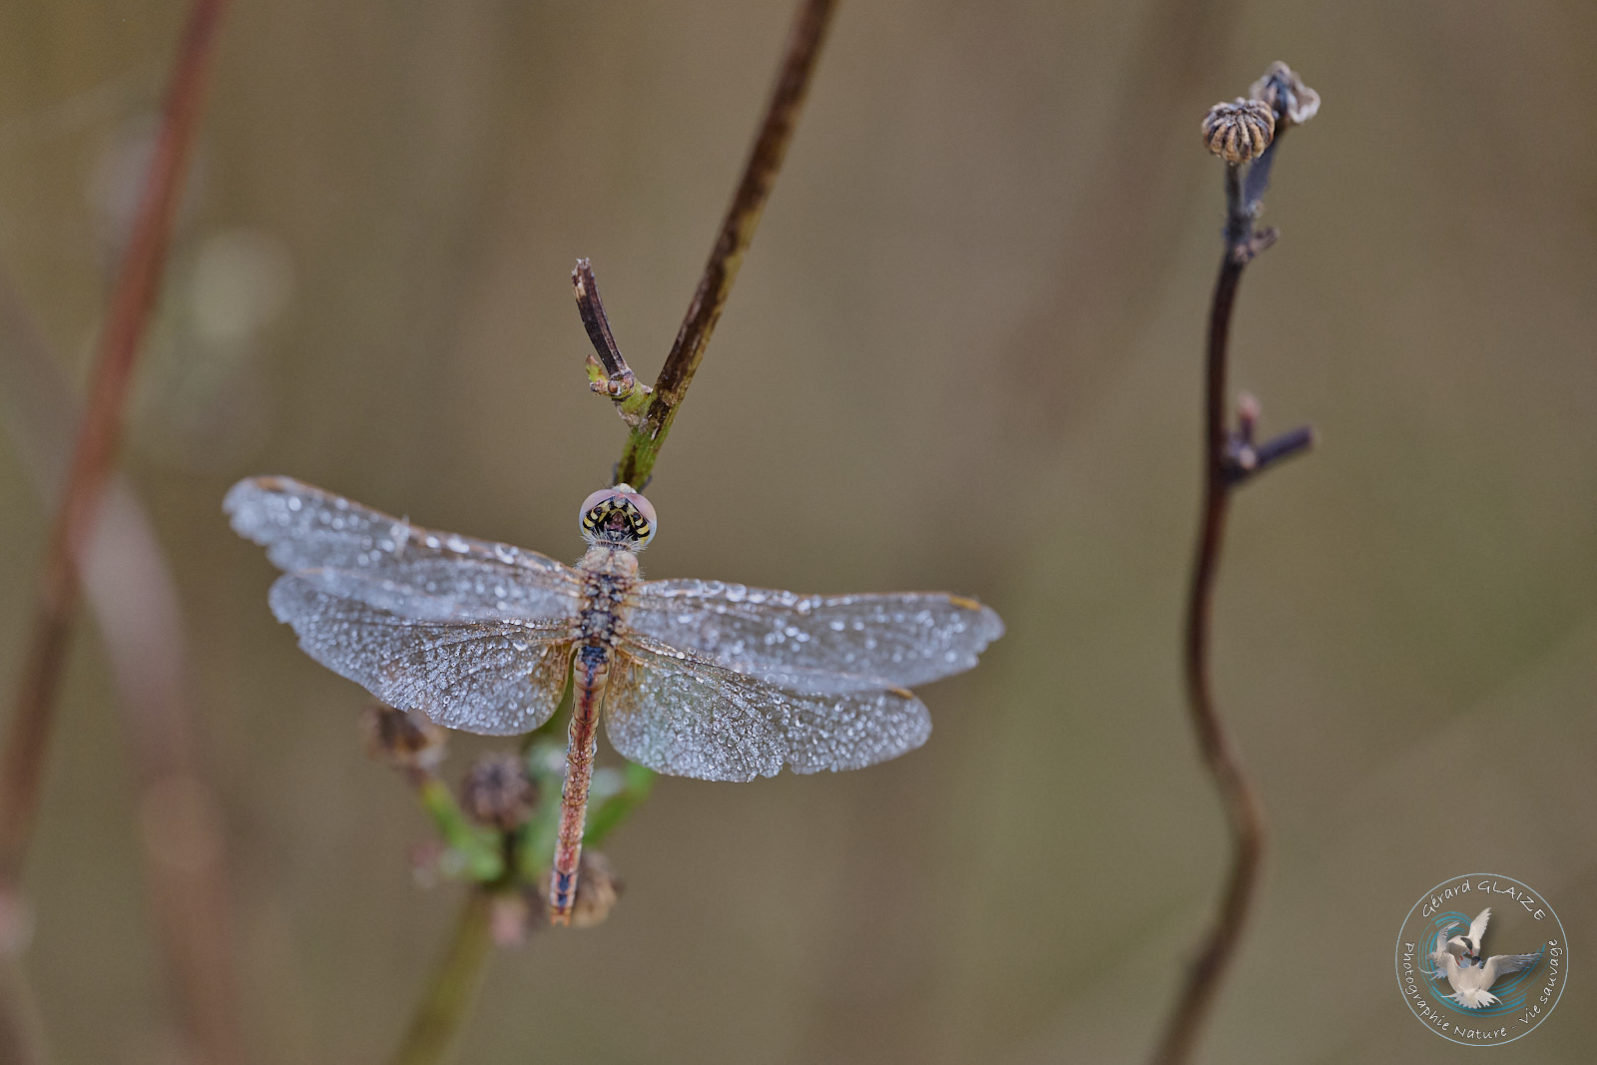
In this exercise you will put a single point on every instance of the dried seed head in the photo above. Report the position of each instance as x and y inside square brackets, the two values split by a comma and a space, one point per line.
[497, 792]
[597, 891]
[404, 740]
[1292, 102]
[1238, 131]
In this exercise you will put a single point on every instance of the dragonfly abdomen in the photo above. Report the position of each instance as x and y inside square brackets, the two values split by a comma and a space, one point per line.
[591, 673]
[610, 571]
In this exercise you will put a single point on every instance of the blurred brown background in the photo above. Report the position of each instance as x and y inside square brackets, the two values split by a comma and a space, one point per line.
[964, 352]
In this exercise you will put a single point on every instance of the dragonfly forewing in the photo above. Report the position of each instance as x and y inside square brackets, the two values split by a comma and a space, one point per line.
[678, 712]
[497, 678]
[818, 643]
[353, 551]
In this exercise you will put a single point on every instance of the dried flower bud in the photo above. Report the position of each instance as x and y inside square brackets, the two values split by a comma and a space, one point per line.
[497, 792]
[1239, 131]
[1292, 102]
[402, 739]
[597, 890]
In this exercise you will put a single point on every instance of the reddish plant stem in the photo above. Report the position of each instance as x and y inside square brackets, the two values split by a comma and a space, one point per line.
[129, 590]
[1244, 815]
[737, 230]
[28, 734]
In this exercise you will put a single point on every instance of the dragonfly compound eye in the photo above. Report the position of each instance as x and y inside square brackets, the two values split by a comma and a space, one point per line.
[618, 515]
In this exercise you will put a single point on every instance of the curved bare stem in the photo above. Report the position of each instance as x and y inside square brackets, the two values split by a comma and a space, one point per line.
[1243, 813]
[1228, 460]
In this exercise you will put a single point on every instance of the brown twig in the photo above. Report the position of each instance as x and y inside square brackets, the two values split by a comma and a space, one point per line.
[737, 230]
[1228, 460]
[1241, 803]
[618, 381]
[28, 734]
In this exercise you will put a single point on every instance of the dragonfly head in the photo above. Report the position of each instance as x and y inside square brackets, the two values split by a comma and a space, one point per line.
[618, 516]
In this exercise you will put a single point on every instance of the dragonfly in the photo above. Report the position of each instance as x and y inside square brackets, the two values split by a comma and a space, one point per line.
[695, 678]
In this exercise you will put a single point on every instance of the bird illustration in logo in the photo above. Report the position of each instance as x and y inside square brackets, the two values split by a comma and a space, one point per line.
[1459, 959]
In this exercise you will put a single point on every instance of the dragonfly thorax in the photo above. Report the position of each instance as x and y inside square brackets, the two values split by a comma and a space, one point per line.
[618, 516]
[611, 570]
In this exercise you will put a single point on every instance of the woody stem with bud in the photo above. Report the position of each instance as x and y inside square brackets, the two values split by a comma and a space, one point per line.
[1244, 134]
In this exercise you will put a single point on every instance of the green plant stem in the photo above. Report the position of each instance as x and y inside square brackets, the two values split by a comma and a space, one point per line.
[447, 1000]
[479, 850]
[737, 230]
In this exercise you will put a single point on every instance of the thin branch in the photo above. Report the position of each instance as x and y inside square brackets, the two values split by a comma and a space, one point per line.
[737, 230]
[1246, 458]
[1293, 442]
[614, 378]
[27, 739]
[1228, 459]
[1241, 804]
[447, 1000]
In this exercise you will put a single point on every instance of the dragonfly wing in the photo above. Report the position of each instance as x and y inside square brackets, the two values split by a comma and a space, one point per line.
[385, 562]
[818, 643]
[680, 713]
[496, 678]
